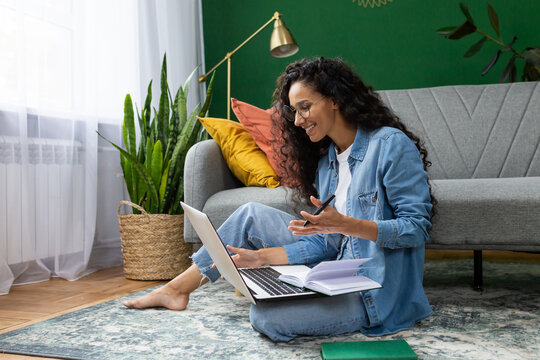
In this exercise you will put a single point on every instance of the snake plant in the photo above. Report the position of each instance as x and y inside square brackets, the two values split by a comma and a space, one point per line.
[154, 169]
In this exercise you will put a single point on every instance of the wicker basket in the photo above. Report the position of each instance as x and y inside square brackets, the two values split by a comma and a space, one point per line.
[153, 245]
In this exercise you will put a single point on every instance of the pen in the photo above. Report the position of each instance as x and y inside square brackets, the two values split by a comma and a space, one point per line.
[321, 208]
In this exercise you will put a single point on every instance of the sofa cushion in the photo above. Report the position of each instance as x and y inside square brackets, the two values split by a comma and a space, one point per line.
[487, 213]
[246, 161]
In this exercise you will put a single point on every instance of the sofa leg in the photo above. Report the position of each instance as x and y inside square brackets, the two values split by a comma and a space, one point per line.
[478, 281]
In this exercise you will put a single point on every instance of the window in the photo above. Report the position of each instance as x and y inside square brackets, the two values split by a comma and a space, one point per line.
[55, 59]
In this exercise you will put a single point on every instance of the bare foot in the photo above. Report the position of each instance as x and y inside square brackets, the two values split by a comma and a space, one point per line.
[164, 296]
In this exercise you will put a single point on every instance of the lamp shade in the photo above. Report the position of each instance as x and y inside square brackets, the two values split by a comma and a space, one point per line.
[282, 43]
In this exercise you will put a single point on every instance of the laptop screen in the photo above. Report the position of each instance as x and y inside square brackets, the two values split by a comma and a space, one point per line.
[217, 251]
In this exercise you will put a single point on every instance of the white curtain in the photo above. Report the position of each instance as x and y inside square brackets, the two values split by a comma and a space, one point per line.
[65, 68]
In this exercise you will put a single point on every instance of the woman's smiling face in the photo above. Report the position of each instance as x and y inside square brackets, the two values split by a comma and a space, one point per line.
[321, 111]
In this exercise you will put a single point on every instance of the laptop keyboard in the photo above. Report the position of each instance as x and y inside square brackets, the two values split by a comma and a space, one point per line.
[267, 278]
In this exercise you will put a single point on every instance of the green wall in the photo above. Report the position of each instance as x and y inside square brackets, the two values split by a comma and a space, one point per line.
[393, 46]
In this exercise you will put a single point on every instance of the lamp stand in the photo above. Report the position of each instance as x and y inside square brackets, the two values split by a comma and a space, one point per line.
[229, 86]
[281, 38]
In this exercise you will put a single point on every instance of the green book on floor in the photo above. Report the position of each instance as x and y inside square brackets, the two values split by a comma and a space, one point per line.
[382, 349]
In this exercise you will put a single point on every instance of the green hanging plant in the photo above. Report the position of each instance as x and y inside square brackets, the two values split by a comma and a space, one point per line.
[154, 169]
[530, 55]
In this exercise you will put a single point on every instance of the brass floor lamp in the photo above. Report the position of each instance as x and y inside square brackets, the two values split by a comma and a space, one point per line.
[282, 44]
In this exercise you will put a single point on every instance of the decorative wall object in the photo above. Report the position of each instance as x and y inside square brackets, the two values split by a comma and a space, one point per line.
[371, 3]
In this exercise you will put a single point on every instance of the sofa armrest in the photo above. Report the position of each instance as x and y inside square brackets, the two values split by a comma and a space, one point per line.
[205, 173]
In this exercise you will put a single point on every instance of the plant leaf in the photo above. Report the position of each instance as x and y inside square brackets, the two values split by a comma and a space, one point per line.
[138, 116]
[141, 170]
[465, 10]
[532, 56]
[494, 19]
[128, 177]
[176, 208]
[464, 29]
[140, 186]
[129, 122]
[446, 30]
[178, 159]
[142, 141]
[508, 69]
[193, 136]
[125, 135]
[530, 73]
[513, 72]
[163, 184]
[149, 151]
[139, 167]
[181, 108]
[154, 126]
[126, 170]
[179, 119]
[142, 190]
[188, 80]
[128, 130]
[508, 46]
[164, 106]
[122, 161]
[148, 164]
[174, 128]
[147, 108]
[157, 163]
[209, 92]
[491, 62]
[169, 95]
[476, 47]
[202, 135]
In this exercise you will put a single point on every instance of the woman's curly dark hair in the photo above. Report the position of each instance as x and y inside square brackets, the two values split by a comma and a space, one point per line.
[358, 103]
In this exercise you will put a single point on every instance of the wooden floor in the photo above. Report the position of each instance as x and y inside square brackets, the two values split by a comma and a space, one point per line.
[29, 304]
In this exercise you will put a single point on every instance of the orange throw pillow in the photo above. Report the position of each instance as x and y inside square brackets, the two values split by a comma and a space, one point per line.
[258, 123]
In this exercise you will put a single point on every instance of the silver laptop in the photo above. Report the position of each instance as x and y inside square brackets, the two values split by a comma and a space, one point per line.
[256, 284]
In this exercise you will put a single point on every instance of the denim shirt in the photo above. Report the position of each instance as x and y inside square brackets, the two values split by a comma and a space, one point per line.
[388, 186]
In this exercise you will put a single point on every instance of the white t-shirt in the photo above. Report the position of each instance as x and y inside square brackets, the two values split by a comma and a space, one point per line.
[344, 180]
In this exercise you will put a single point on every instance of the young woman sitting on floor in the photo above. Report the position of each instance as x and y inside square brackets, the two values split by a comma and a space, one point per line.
[338, 138]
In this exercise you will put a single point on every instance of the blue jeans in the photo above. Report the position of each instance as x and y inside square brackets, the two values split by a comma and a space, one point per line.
[256, 226]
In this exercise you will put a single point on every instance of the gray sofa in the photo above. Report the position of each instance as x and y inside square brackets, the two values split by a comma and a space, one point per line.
[483, 142]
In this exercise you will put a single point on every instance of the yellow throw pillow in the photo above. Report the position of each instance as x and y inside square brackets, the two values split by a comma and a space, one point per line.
[246, 161]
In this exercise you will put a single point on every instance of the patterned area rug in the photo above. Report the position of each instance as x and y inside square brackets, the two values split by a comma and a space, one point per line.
[501, 322]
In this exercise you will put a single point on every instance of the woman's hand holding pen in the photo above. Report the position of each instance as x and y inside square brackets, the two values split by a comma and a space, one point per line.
[328, 221]
[331, 221]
